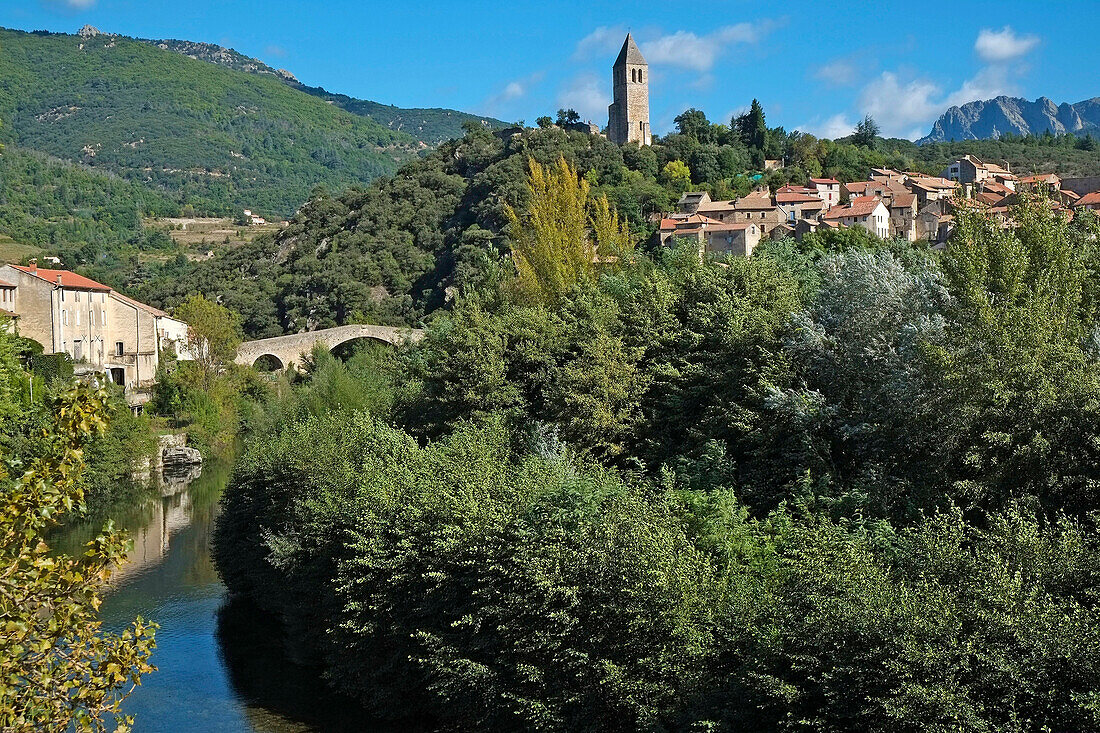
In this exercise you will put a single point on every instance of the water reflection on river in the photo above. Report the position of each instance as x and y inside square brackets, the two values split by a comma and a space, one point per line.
[220, 663]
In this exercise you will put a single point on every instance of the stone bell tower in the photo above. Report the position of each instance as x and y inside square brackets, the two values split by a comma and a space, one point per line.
[628, 115]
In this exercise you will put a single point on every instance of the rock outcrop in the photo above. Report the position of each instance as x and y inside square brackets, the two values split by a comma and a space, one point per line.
[992, 118]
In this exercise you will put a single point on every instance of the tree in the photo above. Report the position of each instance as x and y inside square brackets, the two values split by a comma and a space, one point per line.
[694, 123]
[213, 332]
[567, 117]
[677, 175]
[57, 670]
[550, 243]
[544, 122]
[751, 127]
[866, 133]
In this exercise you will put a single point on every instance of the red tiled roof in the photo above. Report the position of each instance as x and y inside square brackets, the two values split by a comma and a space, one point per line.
[754, 201]
[1073, 195]
[795, 197]
[1089, 199]
[858, 207]
[68, 279]
[826, 181]
[137, 304]
[902, 199]
[4, 284]
[989, 197]
[1041, 178]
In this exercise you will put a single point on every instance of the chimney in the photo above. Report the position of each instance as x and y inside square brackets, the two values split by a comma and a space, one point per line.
[34, 266]
[59, 279]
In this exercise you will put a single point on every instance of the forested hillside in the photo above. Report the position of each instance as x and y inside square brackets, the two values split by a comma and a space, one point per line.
[389, 252]
[212, 137]
[431, 126]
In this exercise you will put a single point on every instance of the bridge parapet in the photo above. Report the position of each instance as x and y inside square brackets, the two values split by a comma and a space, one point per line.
[289, 349]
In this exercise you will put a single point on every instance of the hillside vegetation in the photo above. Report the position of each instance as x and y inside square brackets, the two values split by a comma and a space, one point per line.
[432, 125]
[212, 137]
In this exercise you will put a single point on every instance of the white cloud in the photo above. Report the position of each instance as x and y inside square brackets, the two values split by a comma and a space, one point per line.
[836, 126]
[898, 104]
[989, 82]
[1003, 45]
[839, 73]
[71, 4]
[600, 42]
[513, 90]
[274, 50]
[906, 107]
[587, 94]
[699, 53]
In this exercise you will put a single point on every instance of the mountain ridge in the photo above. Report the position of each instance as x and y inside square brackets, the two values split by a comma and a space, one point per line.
[992, 118]
[430, 125]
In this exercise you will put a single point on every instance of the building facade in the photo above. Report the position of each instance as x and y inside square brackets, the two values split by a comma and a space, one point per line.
[628, 115]
[99, 328]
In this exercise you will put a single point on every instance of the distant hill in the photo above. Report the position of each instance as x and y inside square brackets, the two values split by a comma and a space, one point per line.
[218, 138]
[431, 126]
[992, 118]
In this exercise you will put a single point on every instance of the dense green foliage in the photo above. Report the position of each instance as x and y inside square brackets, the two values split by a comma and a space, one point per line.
[843, 487]
[431, 126]
[58, 669]
[401, 248]
[84, 216]
[215, 138]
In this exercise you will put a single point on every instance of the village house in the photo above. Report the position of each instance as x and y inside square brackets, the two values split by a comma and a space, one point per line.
[903, 215]
[798, 204]
[1089, 201]
[713, 236]
[969, 169]
[828, 190]
[863, 211]
[99, 328]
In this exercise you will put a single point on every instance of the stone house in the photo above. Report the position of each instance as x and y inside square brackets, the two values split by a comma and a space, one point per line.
[828, 190]
[970, 169]
[903, 216]
[99, 328]
[796, 205]
[713, 236]
[863, 211]
[690, 201]
[758, 207]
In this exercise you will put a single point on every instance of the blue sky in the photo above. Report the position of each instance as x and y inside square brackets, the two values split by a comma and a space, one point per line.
[815, 66]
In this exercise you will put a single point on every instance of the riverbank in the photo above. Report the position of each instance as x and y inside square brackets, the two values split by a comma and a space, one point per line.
[220, 663]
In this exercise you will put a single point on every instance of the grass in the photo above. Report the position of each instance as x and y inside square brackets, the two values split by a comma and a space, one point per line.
[14, 252]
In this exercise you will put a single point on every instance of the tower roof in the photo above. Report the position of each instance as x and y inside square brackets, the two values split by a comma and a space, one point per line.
[630, 54]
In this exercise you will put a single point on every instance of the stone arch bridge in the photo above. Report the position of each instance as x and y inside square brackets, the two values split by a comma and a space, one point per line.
[287, 350]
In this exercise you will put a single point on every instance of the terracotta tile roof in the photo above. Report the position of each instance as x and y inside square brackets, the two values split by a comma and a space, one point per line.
[754, 201]
[1089, 199]
[137, 304]
[795, 189]
[996, 187]
[1072, 195]
[1041, 178]
[902, 199]
[826, 181]
[68, 279]
[989, 197]
[5, 284]
[795, 197]
[858, 207]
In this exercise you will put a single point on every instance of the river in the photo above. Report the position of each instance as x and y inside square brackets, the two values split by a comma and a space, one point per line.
[220, 663]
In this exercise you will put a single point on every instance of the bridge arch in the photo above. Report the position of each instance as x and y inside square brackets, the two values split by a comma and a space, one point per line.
[291, 349]
[268, 363]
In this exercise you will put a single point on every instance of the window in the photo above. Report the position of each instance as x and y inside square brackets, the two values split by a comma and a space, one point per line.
[77, 296]
[119, 348]
[78, 316]
[640, 72]
[103, 317]
[62, 295]
[634, 75]
[64, 317]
